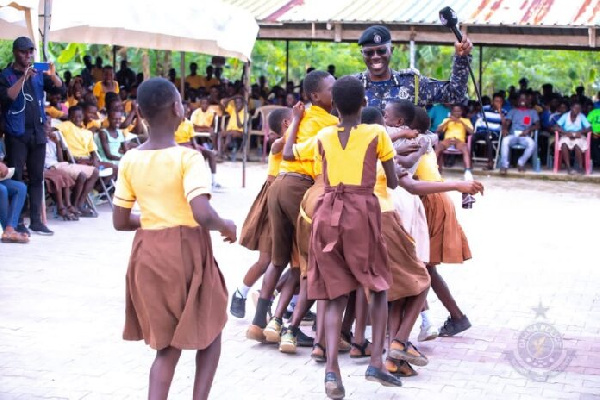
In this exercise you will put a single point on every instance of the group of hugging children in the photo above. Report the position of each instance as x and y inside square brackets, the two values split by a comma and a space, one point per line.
[353, 202]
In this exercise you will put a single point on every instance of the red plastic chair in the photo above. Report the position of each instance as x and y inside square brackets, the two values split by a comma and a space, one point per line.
[587, 158]
[456, 152]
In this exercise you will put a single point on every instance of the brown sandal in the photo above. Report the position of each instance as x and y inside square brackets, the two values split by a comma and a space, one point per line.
[318, 353]
[360, 350]
[14, 237]
[66, 215]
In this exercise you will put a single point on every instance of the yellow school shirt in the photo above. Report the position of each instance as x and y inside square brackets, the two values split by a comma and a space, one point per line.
[163, 183]
[79, 141]
[95, 123]
[274, 161]
[54, 112]
[456, 130]
[208, 83]
[127, 106]
[427, 168]
[386, 203]
[72, 101]
[315, 119]
[100, 94]
[232, 124]
[309, 152]
[202, 118]
[185, 132]
[345, 165]
[195, 81]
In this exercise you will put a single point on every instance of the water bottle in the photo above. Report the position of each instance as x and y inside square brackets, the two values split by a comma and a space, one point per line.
[467, 201]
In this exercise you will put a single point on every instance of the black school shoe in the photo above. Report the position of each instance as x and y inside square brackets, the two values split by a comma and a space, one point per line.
[21, 228]
[376, 375]
[41, 229]
[238, 305]
[304, 340]
[309, 318]
[454, 326]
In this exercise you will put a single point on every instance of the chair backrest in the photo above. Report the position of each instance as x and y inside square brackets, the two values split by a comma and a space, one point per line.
[264, 112]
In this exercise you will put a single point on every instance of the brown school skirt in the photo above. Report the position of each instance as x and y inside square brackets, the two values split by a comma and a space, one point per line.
[57, 179]
[448, 243]
[346, 246]
[409, 275]
[256, 231]
[285, 196]
[304, 225]
[175, 293]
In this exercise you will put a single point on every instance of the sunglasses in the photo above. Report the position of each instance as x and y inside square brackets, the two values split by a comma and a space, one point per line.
[371, 52]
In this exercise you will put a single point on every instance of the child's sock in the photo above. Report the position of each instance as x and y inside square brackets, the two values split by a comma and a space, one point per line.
[260, 318]
[243, 290]
[293, 303]
[425, 322]
[468, 174]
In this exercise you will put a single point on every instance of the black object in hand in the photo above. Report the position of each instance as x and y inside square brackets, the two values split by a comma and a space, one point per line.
[449, 19]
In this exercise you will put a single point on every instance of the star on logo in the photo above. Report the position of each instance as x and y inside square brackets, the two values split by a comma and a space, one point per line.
[540, 310]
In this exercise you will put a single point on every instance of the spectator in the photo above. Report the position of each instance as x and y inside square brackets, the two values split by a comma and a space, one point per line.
[91, 120]
[193, 80]
[113, 139]
[331, 70]
[438, 113]
[67, 76]
[494, 114]
[594, 120]
[12, 200]
[125, 75]
[174, 79]
[98, 70]
[521, 121]
[572, 127]
[74, 93]
[455, 130]
[86, 72]
[209, 80]
[85, 176]
[234, 108]
[56, 109]
[106, 85]
[21, 98]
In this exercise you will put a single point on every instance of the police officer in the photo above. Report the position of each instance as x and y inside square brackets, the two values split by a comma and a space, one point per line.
[383, 83]
[22, 99]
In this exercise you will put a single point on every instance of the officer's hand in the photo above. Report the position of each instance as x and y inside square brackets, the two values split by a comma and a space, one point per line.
[463, 48]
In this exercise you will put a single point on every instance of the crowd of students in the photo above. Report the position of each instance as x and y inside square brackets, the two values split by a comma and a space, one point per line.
[514, 116]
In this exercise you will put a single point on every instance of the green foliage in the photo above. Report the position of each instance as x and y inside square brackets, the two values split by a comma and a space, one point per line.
[502, 67]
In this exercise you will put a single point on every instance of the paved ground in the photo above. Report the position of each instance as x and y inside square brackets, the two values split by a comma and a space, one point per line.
[61, 309]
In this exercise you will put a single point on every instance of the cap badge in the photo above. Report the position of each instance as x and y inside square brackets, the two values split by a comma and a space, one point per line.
[377, 39]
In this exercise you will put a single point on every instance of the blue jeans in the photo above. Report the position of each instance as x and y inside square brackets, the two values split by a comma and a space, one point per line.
[510, 141]
[12, 199]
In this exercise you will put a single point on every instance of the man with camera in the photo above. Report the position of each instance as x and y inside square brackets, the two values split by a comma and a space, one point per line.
[22, 100]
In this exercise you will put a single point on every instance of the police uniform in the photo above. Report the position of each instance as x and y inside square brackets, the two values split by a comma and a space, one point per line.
[409, 84]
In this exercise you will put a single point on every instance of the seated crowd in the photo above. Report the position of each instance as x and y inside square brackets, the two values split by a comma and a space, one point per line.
[92, 120]
[518, 117]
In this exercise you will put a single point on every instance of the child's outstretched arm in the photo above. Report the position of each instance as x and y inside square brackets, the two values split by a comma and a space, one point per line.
[277, 146]
[390, 173]
[206, 216]
[123, 220]
[288, 148]
[423, 188]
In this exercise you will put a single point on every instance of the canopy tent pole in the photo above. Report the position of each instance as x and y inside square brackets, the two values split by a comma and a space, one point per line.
[246, 141]
[480, 66]
[114, 57]
[412, 53]
[46, 29]
[182, 75]
[287, 61]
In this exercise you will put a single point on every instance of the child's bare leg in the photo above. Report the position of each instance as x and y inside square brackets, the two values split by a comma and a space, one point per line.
[466, 157]
[320, 335]
[349, 314]
[207, 361]
[578, 157]
[88, 187]
[210, 156]
[67, 197]
[379, 314]
[78, 190]
[303, 304]
[257, 269]
[362, 313]
[565, 156]
[410, 312]
[333, 323]
[268, 286]
[59, 199]
[395, 317]
[443, 293]
[161, 373]
[287, 292]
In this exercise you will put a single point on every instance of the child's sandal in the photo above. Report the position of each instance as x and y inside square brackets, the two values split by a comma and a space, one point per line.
[400, 368]
[360, 350]
[14, 237]
[407, 352]
[318, 353]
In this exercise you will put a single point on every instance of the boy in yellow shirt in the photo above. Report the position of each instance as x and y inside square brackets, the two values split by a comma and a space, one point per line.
[234, 108]
[455, 130]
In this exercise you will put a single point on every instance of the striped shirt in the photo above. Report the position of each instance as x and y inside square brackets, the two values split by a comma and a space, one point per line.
[493, 119]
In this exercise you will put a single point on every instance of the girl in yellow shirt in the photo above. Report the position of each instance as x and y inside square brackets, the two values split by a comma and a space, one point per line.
[175, 294]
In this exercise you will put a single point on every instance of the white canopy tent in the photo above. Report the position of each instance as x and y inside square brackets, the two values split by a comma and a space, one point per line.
[213, 27]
